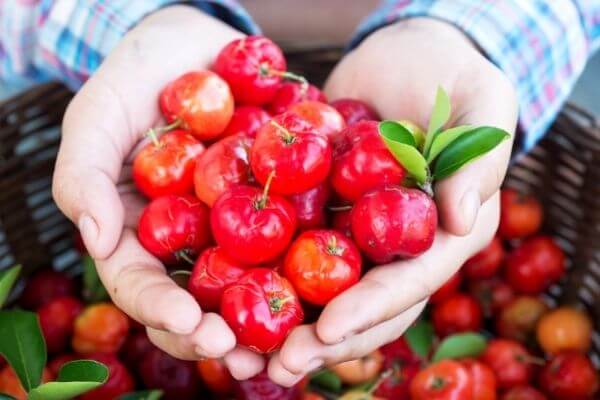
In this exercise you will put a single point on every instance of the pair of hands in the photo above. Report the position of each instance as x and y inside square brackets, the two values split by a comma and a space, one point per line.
[396, 69]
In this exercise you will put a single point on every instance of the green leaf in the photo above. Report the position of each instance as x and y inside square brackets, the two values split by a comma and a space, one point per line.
[93, 289]
[74, 378]
[439, 116]
[23, 346]
[143, 395]
[327, 380]
[7, 280]
[420, 338]
[466, 148]
[460, 346]
[396, 132]
[444, 138]
[401, 144]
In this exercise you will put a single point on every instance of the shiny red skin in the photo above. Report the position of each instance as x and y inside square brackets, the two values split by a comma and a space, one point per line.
[405, 365]
[290, 93]
[459, 313]
[215, 375]
[362, 162]
[325, 119]
[524, 392]
[484, 380]
[213, 271]
[492, 294]
[394, 222]
[248, 231]
[119, 381]
[173, 224]
[321, 264]
[444, 380]
[56, 320]
[247, 120]
[310, 206]
[569, 375]
[448, 289]
[535, 265]
[57, 362]
[510, 361]
[248, 306]
[135, 348]
[178, 379]
[342, 222]
[354, 110]
[261, 387]
[223, 165]
[518, 319]
[201, 100]
[487, 262]
[520, 215]
[44, 286]
[244, 64]
[300, 157]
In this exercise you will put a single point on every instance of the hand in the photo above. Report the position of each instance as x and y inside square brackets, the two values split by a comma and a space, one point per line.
[397, 70]
[103, 126]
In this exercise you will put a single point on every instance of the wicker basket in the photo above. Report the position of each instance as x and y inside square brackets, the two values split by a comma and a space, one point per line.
[563, 171]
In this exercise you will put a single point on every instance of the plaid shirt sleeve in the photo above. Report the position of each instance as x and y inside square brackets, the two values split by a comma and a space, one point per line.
[68, 39]
[541, 45]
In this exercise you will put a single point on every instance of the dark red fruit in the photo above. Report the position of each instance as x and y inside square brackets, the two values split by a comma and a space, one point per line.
[215, 375]
[324, 118]
[484, 380]
[510, 361]
[290, 93]
[177, 379]
[569, 375]
[354, 110]
[56, 320]
[459, 313]
[119, 381]
[404, 364]
[247, 120]
[342, 222]
[310, 206]
[493, 294]
[524, 392]
[448, 289]
[519, 318]
[444, 380]
[520, 215]
[262, 388]
[135, 348]
[44, 286]
[487, 262]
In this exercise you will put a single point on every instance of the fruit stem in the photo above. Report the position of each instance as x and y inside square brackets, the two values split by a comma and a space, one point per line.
[531, 360]
[333, 248]
[182, 254]
[288, 137]
[180, 272]
[438, 383]
[427, 187]
[339, 208]
[276, 303]
[386, 374]
[265, 70]
[262, 202]
[154, 137]
[173, 125]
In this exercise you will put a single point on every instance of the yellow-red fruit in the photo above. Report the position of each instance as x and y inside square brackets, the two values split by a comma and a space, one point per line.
[565, 328]
[101, 328]
[361, 370]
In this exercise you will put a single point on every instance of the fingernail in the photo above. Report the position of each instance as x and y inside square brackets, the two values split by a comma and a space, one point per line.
[88, 228]
[313, 365]
[469, 205]
[180, 326]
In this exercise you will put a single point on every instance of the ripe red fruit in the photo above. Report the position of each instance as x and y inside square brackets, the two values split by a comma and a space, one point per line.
[487, 262]
[444, 380]
[290, 93]
[174, 227]
[342, 222]
[321, 264]
[299, 156]
[215, 375]
[223, 165]
[252, 226]
[394, 222]
[310, 206]
[459, 313]
[213, 271]
[519, 318]
[167, 165]
[119, 381]
[404, 364]
[247, 120]
[201, 101]
[569, 375]
[135, 348]
[510, 361]
[261, 308]
[484, 380]
[448, 289]
[57, 363]
[261, 387]
[535, 265]
[354, 110]
[56, 321]
[44, 286]
[524, 392]
[324, 118]
[362, 162]
[177, 379]
[493, 294]
[520, 215]
[253, 67]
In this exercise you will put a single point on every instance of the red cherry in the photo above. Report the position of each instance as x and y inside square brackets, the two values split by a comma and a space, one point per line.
[493, 294]
[459, 313]
[44, 286]
[215, 375]
[310, 206]
[484, 380]
[300, 157]
[178, 379]
[447, 290]
[569, 375]
[174, 227]
[167, 165]
[251, 226]
[444, 380]
[56, 321]
[201, 101]
[394, 222]
[253, 66]
[322, 264]
[247, 120]
[261, 387]
[362, 162]
[324, 118]
[520, 215]
[261, 308]
[214, 270]
[223, 165]
[135, 348]
[487, 262]
[290, 93]
[404, 364]
[510, 361]
[354, 110]
[119, 381]
[524, 392]
[518, 319]
[342, 222]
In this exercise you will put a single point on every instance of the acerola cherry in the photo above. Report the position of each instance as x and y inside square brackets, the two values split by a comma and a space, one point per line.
[361, 370]
[354, 110]
[44, 286]
[290, 146]
[493, 294]
[322, 264]
[56, 320]
[483, 378]
[519, 318]
[261, 308]
[247, 120]
[362, 162]
[215, 375]
[253, 67]
[342, 222]
[569, 375]
[565, 328]
[252, 227]
[214, 270]
[135, 349]
[261, 387]
[394, 222]
[119, 381]
[444, 380]
[290, 93]
[224, 164]
[167, 165]
[100, 328]
[448, 289]
[524, 392]
[535, 265]
[487, 262]
[174, 227]
[459, 313]
[200, 101]
[178, 379]
[511, 362]
[404, 364]
[310, 206]
[520, 215]
[324, 118]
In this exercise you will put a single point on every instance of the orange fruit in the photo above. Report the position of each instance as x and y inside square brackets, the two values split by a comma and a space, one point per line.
[565, 328]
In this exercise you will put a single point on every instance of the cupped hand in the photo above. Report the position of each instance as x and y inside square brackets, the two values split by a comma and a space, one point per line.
[397, 70]
[102, 128]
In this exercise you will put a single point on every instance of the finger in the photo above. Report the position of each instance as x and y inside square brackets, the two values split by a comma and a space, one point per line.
[386, 291]
[177, 346]
[138, 284]
[244, 364]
